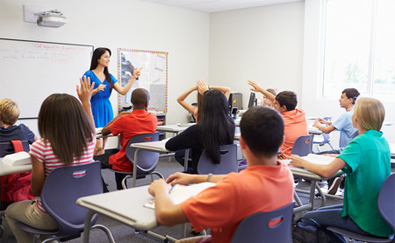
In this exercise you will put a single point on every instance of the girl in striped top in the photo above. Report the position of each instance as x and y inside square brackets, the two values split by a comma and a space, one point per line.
[67, 131]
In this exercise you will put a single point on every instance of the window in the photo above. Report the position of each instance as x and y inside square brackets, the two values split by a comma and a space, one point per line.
[359, 48]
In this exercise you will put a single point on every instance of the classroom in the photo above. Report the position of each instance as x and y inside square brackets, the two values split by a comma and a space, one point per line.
[279, 45]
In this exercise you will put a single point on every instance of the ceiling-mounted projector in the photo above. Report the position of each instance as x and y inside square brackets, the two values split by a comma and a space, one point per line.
[53, 18]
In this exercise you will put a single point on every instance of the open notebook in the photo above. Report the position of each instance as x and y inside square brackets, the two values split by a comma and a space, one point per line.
[180, 193]
[314, 158]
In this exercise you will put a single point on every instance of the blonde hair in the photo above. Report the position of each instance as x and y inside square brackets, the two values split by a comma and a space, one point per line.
[370, 113]
[9, 111]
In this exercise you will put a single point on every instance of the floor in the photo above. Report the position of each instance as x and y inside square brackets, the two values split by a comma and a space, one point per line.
[122, 233]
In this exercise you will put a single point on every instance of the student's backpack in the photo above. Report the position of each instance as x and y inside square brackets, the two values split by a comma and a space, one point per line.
[15, 187]
[308, 233]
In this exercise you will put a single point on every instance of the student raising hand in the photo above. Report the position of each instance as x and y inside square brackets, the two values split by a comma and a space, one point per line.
[85, 94]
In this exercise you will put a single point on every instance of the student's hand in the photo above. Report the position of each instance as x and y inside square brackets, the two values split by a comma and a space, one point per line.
[158, 186]
[85, 92]
[202, 87]
[179, 178]
[255, 86]
[316, 124]
[296, 161]
[136, 72]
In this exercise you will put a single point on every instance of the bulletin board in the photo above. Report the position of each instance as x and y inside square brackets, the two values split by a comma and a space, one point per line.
[153, 76]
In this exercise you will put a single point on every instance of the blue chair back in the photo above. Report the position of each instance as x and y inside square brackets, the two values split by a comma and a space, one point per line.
[256, 228]
[228, 161]
[147, 160]
[303, 145]
[386, 201]
[8, 148]
[62, 188]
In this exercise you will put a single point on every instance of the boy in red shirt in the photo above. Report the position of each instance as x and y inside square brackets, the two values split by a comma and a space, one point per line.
[266, 185]
[127, 125]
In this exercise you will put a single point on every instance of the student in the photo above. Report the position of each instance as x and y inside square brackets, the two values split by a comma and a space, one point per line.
[193, 109]
[215, 128]
[127, 125]
[76, 136]
[266, 185]
[295, 124]
[9, 113]
[104, 83]
[267, 102]
[367, 162]
[343, 123]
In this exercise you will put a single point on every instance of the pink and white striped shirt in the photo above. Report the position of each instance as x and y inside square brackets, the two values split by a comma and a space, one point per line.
[43, 152]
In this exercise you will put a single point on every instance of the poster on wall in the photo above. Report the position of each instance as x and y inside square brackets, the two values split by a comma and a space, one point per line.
[153, 77]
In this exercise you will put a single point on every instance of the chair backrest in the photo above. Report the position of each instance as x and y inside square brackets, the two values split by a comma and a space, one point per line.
[228, 161]
[386, 201]
[303, 145]
[258, 228]
[146, 159]
[8, 148]
[62, 188]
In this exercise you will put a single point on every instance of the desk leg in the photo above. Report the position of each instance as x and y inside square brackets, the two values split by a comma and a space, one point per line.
[87, 225]
[312, 193]
[135, 167]
[186, 158]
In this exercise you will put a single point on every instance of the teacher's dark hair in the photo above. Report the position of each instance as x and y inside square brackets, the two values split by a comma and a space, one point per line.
[95, 57]
[63, 122]
[262, 128]
[216, 127]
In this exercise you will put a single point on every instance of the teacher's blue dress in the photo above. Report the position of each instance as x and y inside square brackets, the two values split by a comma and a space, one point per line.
[101, 105]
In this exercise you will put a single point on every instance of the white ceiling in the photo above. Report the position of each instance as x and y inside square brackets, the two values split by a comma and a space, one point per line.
[219, 5]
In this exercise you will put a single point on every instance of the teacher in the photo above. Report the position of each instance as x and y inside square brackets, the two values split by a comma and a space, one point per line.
[104, 83]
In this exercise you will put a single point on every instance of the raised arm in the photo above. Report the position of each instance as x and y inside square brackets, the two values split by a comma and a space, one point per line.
[325, 171]
[257, 88]
[85, 94]
[124, 90]
[181, 100]
[225, 90]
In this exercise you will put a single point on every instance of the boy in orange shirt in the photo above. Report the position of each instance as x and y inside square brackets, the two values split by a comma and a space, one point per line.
[223, 206]
[295, 124]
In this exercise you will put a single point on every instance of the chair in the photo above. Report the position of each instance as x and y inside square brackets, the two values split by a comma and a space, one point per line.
[256, 228]
[303, 145]
[147, 160]
[62, 188]
[386, 209]
[324, 138]
[8, 147]
[228, 161]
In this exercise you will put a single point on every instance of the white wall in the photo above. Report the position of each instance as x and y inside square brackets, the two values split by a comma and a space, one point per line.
[123, 24]
[264, 44]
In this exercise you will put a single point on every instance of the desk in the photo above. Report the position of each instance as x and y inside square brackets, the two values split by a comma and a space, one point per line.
[392, 148]
[313, 130]
[125, 206]
[156, 146]
[176, 129]
[314, 178]
[7, 170]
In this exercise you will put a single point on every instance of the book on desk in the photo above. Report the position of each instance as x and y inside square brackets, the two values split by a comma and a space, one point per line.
[180, 193]
[20, 158]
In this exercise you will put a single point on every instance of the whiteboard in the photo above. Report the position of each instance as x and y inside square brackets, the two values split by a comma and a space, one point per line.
[32, 70]
[153, 76]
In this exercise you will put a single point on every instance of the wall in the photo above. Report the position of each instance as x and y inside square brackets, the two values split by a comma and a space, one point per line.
[264, 44]
[127, 24]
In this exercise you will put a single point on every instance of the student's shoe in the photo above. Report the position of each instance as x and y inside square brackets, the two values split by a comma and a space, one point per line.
[335, 185]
